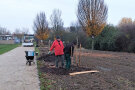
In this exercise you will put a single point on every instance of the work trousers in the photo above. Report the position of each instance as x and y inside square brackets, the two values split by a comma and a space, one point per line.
[59, 59]
[68, 61]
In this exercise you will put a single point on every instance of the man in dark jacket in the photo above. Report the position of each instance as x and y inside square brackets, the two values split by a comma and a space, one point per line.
[68, 52]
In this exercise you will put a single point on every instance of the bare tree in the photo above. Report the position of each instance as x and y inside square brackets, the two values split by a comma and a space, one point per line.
[25, 30]
[76, 28]
[125, 21]
[19, 34]
[41, 26]
[4, 31]
[56, 21]
[127, 28]
[92, 16]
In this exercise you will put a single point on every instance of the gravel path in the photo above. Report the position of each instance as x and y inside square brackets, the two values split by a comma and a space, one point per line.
[14, 74]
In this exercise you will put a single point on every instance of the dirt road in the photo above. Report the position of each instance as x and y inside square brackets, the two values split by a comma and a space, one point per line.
[14, 74]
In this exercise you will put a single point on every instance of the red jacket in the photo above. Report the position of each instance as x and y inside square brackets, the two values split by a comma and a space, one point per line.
[58, 48]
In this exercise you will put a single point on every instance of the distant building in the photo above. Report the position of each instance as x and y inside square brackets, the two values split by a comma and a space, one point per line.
[6, 37]
[12, 39]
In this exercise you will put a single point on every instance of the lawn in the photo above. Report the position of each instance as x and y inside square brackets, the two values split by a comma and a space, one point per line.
[7, 47]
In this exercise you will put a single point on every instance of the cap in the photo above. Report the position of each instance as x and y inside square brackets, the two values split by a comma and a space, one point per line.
[58, 37]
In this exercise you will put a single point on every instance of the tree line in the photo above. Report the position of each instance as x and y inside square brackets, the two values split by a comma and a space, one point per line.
[112, 38]
[91, 30]
[91, 14]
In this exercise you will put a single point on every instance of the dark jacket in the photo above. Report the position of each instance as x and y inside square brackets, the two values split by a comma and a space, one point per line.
[67, 49]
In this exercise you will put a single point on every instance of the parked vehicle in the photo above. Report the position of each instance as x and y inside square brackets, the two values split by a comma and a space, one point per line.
[27, 43]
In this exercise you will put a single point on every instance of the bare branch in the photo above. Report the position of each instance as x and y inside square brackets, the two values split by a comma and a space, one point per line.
[92, 15]
[41, 26]
[56, 20]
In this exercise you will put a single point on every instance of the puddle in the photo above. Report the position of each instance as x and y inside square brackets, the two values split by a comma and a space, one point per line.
[104, 69]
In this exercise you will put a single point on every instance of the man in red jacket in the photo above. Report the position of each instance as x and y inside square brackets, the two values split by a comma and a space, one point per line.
[58, 49]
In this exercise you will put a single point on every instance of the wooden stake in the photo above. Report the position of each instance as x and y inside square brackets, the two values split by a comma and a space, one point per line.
[71, 55]
[49, 44]
[83, 72]
[76, 58]
[80, 55]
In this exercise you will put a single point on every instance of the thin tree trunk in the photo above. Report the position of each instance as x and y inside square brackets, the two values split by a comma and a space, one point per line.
[49, 44]
[80, 54]
[76, 56]
[92, 43]
[77, 41]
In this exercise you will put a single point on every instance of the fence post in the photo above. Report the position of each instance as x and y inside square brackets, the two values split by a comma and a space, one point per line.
[76, 56]
[80, 55]
[49, 44]
[71, 58]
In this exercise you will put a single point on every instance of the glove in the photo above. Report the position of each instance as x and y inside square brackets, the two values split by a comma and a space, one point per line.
[49, 52]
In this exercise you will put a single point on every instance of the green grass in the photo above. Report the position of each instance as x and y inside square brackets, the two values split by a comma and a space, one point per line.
[7, 47]
[37, 50]
[45, 84]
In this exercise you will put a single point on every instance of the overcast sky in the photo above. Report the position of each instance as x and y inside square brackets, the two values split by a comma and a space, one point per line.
[21, 13]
